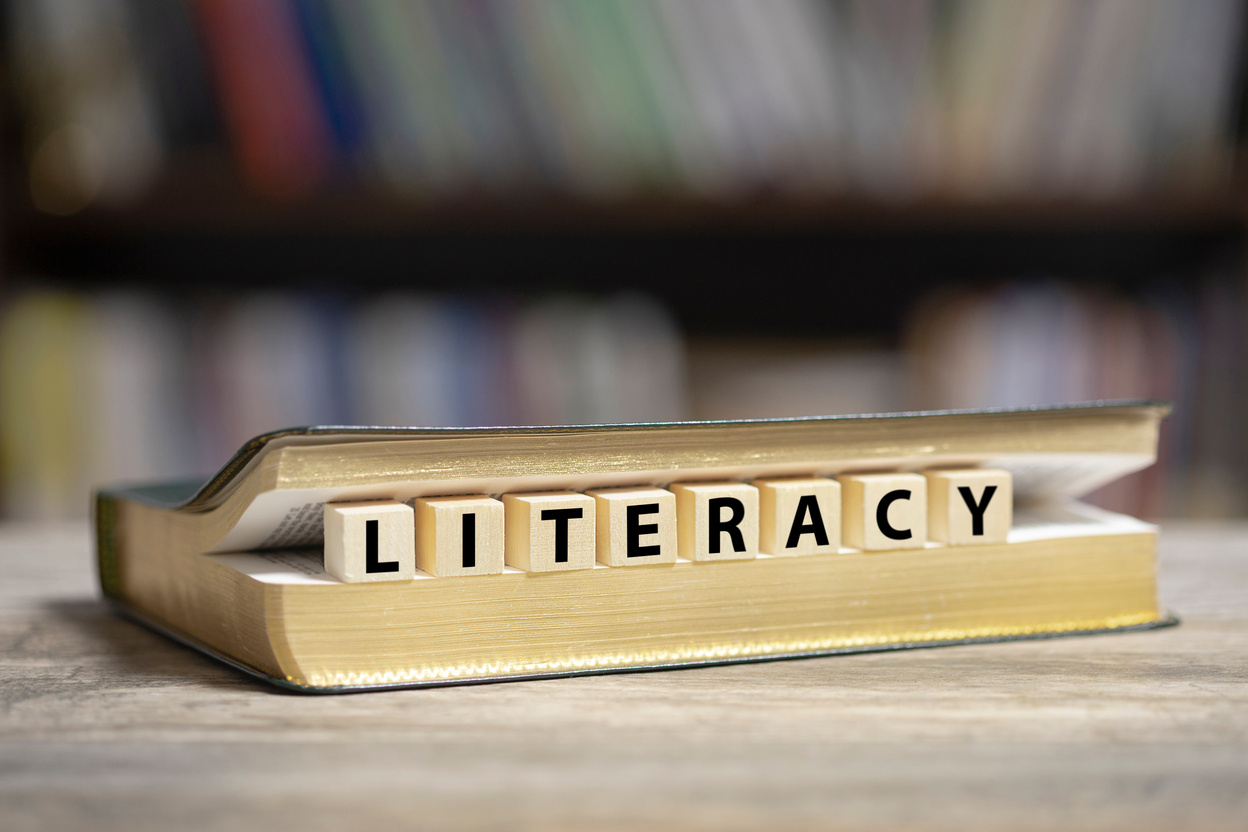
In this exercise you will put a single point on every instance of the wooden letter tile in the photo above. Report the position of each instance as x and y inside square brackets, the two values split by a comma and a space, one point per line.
[551, 531]
[635, 526]
[969, 505]
[459, 535]
[716, 520]
[799, 516]
[370, 541]
[884, 511]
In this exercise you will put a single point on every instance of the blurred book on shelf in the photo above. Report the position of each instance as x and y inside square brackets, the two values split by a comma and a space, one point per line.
[965, 99]
[125, 385]
[764, 378]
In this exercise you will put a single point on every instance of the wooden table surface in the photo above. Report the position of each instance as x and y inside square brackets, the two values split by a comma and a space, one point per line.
[106, 725]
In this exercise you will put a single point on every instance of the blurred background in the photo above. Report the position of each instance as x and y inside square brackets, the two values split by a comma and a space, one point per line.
[224, 217]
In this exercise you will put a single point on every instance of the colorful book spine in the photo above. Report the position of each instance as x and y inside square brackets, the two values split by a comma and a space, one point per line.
[264, 77]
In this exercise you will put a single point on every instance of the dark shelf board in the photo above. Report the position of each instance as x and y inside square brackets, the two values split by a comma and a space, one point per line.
[764, 265]
[205, 197]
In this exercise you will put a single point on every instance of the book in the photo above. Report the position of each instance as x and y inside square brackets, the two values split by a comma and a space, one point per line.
[42, 402]
[234, 566]
[264, 76]
[92, 133]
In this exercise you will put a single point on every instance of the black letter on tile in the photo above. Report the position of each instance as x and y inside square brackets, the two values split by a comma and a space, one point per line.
[371, 553]
[470, 541]
[881, 515]
[561, 516]
[718, 525]
[807, 505]
[977, 511]
[634, 529]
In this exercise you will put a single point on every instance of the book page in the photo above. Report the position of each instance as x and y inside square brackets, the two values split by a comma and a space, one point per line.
[1050, 478]
[1045, 522]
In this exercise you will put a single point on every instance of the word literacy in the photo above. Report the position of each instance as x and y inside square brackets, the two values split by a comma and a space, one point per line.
[551, 531]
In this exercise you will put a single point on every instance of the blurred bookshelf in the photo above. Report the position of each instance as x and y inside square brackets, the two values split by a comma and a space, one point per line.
[782, 201]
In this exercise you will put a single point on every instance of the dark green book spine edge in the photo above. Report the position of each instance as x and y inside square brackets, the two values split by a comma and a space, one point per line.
[106, 544]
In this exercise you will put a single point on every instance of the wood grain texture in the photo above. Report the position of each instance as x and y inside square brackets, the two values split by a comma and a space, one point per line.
[550, 531]
[950, 497]
[707, 530]
[346, 541]
[864, 518]
[653, 531]
[803, 510]
[106, 725]
[443, 528]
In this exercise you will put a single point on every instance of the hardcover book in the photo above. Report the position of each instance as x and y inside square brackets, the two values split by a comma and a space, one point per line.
[236, 566]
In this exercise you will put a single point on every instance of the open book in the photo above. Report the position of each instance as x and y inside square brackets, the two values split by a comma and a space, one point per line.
[235, 567]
